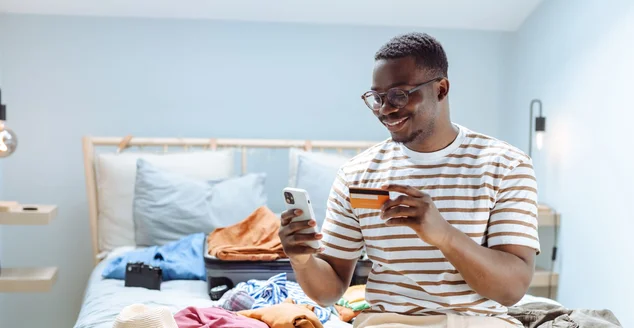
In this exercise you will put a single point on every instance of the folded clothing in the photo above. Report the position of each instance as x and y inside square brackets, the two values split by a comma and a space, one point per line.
[253, 239]
[276, 290]
[179, 260]
[354, 294]
[352, 303]
[346, 314]
[192, 317]
[541, 314]
[285, 315]
[356, 306]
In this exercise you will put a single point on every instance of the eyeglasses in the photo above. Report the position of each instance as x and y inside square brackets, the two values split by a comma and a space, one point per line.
[397, 98]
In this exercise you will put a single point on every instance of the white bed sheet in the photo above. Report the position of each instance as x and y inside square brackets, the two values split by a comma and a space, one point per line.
[105, 298]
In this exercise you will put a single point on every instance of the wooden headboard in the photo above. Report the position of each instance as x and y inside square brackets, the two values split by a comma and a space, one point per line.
[164, 145]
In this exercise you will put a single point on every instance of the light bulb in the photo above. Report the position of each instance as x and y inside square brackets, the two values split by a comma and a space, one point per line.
[8, 141]
[539, 139]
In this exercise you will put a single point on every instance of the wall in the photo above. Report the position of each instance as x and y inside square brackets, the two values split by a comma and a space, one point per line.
[577, 57]
[70, 77]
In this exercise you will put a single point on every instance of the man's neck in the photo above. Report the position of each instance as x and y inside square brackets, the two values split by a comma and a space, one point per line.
[444, 135]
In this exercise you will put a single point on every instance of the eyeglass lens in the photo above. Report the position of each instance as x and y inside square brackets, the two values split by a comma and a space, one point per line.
[396, 98]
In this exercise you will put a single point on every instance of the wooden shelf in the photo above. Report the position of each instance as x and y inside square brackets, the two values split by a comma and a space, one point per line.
[547, 217]
[17, 216]
[544, 278]
[18, 280]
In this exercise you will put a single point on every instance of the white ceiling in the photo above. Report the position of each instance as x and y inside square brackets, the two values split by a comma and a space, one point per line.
[505, 15]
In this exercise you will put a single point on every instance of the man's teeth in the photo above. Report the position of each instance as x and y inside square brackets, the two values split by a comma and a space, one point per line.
[397, 122]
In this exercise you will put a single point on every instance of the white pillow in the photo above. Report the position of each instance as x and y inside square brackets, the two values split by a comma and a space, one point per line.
[315, 173]
[116, 175]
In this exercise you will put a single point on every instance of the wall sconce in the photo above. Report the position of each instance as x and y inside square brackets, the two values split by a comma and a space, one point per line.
[8, 139]
[540, 128]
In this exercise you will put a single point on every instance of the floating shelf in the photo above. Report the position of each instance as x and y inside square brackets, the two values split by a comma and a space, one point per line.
[547, 217]
[19, 280]
[544, 278]
[16, 215]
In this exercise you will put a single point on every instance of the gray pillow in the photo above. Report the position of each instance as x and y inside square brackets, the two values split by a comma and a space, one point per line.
[168, 206]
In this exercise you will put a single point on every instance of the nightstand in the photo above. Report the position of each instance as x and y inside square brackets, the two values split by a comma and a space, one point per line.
[545, 281]
[28, 279]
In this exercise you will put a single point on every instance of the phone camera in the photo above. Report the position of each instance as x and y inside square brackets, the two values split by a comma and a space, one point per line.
[289, 198]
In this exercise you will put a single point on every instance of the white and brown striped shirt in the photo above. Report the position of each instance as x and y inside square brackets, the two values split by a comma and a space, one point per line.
[483, 186]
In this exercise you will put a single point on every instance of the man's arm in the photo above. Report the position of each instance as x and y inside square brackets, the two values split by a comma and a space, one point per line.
[325, 278]
[502, 271]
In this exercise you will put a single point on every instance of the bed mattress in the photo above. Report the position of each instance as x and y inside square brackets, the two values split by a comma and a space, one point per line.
[105, 298]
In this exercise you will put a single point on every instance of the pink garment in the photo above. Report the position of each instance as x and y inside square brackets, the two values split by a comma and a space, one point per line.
[192, 317]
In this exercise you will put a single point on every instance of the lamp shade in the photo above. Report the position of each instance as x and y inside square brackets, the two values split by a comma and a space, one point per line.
[539, 129]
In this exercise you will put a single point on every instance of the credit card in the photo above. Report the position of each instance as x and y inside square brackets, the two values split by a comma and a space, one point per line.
[370, 198]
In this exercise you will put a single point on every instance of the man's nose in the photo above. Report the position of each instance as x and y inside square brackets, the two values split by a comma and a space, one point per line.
[387, 109]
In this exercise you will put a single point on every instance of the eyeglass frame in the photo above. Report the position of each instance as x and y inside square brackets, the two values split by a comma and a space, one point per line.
[406, 92]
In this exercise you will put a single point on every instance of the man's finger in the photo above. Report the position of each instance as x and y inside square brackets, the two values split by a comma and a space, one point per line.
[301, 249]
[300, 238]
[301, 225]
[399, 201]
[398, 211]
[400, 222]
[289, 215]
[407, 190]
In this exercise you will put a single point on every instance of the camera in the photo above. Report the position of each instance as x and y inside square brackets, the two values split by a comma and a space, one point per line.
[289, 197]
[139, 274]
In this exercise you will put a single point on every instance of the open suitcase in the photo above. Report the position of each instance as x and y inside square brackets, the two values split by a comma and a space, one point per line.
[224, 275]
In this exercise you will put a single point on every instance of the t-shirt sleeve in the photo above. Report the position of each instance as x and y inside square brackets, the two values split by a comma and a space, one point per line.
[342, 232]
[513, 219]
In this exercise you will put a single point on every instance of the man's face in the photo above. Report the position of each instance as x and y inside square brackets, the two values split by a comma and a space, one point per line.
[415, 121]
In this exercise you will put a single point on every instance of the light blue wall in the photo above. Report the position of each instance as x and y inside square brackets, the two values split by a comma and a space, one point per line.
[70, 77]
[577, 57]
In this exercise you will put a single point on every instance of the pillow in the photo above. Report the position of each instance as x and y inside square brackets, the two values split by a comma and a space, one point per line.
[116, 178]
[315, 172]
[169, 205]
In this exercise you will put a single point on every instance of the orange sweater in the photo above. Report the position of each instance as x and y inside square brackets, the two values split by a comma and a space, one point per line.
[253, 239]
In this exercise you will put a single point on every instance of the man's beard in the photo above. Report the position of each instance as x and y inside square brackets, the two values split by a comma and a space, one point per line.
[417, 135]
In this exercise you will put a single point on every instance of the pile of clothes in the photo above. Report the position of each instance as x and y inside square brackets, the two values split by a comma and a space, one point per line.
[275, 302]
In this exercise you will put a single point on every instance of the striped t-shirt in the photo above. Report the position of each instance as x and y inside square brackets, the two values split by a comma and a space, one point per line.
[482, 186]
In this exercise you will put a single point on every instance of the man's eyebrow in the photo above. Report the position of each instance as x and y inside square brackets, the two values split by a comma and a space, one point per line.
[393, 85]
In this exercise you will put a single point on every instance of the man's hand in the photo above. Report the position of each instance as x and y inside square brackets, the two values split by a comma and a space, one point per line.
[294, 242]
[415, 209]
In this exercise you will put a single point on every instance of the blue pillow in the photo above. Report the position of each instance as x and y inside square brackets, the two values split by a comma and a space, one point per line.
[168, 206]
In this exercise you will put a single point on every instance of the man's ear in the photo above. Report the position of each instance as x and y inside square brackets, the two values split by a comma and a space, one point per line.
[443, 89]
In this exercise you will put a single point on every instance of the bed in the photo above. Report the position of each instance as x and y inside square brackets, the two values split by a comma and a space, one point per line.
[310, 164]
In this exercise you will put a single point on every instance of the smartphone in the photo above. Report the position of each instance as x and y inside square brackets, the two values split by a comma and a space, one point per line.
[370, 198]
[295, 198]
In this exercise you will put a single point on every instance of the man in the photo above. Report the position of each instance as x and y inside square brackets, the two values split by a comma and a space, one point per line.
[455, 245]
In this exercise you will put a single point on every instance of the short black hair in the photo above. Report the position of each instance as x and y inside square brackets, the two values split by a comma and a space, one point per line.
[426, 50]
